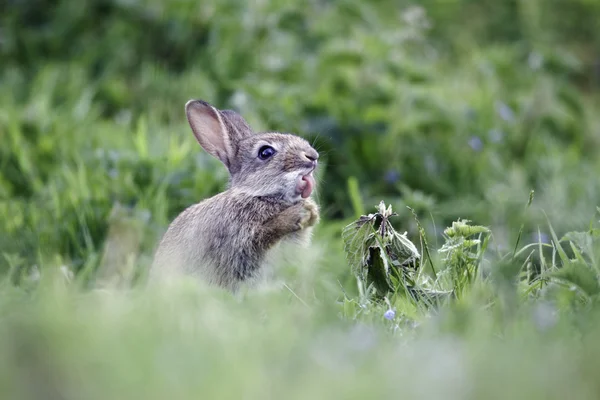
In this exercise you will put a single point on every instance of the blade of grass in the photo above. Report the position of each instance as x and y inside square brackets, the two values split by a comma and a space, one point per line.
[561, 252]
[424, 244]
[355, 198]
[523, 224]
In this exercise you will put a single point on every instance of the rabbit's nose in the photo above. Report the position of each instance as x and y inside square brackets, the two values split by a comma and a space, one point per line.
[311, 156]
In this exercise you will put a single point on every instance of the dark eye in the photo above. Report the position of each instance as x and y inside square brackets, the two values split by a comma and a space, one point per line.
[265, 152]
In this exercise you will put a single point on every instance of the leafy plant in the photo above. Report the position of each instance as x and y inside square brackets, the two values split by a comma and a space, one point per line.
[464, 248]
[382, 260]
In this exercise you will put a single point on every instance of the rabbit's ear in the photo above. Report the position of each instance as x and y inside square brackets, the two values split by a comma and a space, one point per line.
[210, 129]
[238, 127]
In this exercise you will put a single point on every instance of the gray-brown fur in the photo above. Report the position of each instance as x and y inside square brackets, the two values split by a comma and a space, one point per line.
[223, 240]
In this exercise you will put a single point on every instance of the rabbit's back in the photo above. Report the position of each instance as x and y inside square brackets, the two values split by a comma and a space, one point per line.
[215, 240]
[181, 249]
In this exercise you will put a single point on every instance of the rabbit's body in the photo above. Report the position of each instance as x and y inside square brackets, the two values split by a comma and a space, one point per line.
[224, 240]
[228, 248]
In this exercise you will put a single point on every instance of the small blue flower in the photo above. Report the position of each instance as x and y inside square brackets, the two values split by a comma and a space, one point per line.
[541, 237]
[476, 143]
[505, 112]
[389, 314]
[391, 176]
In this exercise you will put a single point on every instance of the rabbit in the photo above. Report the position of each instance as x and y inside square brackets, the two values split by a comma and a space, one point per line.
[224, 240]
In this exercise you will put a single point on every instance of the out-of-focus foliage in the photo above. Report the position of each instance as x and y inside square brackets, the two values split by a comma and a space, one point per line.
[456, 108]
[390, 272]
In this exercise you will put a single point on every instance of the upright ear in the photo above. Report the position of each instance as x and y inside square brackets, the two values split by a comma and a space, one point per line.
[238, 126]
[217, 131]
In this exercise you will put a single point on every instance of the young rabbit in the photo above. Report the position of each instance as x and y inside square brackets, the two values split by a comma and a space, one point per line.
[224, 240]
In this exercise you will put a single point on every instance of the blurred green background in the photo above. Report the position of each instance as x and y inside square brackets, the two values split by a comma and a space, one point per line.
[455, 108]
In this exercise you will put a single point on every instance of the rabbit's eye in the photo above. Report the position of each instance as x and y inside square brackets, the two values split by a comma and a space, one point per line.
[265, 152]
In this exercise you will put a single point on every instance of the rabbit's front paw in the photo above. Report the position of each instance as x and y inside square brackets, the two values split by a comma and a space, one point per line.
[293, 219]
[309, 214]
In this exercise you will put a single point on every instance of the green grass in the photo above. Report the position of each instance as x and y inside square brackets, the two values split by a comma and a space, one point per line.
[453, 111]
[62, 342]
[506, 335]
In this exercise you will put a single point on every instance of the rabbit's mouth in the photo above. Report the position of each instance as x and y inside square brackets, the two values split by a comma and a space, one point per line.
[305, 185]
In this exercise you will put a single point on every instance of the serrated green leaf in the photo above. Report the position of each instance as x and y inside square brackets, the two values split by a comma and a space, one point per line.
[461, 228]
[403, 249]
[378, 271]
[580, 276]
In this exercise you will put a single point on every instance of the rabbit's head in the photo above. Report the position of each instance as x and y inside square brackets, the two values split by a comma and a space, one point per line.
[268, 164]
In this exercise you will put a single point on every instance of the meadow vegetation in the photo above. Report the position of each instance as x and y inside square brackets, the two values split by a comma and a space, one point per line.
[474, 123]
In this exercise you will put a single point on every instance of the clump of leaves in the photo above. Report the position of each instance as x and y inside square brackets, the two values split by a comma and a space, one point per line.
[382, 260]
[464, 248]
[580, 272]
[385, 262]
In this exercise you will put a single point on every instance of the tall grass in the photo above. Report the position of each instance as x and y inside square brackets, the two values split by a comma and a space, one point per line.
[504, 336]
[446, 115]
